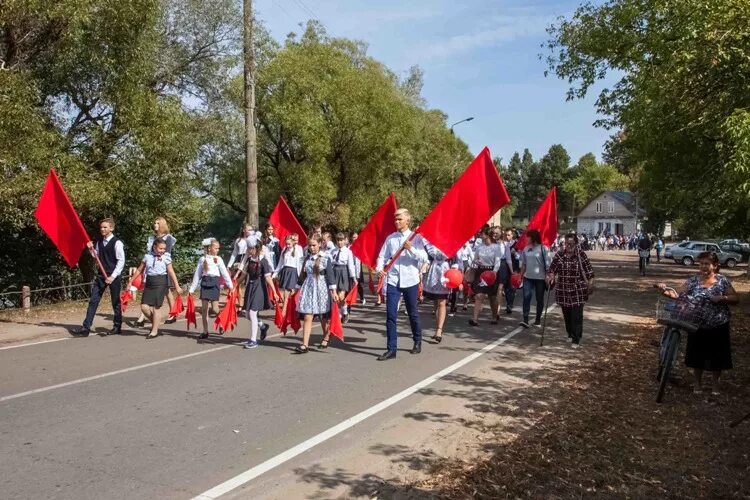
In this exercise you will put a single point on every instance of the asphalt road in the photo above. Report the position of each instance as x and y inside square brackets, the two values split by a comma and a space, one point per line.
[117, 417]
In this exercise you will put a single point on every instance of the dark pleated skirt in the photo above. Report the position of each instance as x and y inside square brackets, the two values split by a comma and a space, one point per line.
[341, 278]
[709, 349]
[210, 288]
[288, 278]
[155, 290]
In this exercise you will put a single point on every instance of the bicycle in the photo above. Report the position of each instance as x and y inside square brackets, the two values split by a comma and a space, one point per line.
[643, 256]
[677, 315]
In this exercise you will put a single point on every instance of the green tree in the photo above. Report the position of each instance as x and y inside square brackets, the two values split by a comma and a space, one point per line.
[681, 101]
[591, 178]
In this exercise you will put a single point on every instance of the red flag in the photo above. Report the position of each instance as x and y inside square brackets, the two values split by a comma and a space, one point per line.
[291, 318]
[285, 223]
[373, 235]
[57, 217]
[125, 298]
[177, 307]
[278, 319]
[190, 312]
[335, 327]
[227, 318]
[351, 297]
[138, 282]
[544, 221]
[472, 200]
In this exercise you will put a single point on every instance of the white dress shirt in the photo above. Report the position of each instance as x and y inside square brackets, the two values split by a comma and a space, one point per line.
[239, 248]
[405, 271]
[119, 254]
[216, 268]
[344, 256]
[290, 258]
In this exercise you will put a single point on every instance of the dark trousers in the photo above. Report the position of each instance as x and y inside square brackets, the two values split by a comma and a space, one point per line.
[393, 293]
[574, 322]
[97, 288]
[361, 286]
[532, 287]
[508, 290]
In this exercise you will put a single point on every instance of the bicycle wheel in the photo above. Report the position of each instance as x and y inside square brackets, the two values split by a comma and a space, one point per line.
[670, 355]
[643, 266]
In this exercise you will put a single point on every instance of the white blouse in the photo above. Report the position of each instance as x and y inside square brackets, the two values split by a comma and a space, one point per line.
[216, 268]
[489, 256]
[290, 258]
[344, 257]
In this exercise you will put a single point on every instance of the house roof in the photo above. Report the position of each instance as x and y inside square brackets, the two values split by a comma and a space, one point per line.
[626, 198]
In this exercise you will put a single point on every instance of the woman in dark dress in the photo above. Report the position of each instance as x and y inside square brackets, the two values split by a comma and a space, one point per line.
[708, 348]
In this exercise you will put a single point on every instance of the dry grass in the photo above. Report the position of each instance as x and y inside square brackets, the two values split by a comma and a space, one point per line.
[605, 437]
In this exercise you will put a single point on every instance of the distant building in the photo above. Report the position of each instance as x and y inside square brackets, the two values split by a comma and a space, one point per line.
[611, 212]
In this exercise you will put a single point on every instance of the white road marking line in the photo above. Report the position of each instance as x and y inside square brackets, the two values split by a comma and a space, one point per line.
[109, 374]
[289, 454]
[34, 343]
[117, 372]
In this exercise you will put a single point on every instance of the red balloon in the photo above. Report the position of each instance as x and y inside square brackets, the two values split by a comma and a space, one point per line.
[515, 280]
[454, 277]
[488, 277]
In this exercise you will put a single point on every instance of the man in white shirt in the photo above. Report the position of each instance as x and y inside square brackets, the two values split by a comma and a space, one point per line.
[402, 279]
[111, 253]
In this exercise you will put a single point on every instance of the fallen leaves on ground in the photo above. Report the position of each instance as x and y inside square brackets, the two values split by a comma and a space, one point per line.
[606, 437]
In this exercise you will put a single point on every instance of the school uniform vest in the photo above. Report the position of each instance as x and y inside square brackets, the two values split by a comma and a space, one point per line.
[107, 253]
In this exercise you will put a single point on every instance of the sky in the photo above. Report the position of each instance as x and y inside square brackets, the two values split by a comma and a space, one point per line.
[480, 59]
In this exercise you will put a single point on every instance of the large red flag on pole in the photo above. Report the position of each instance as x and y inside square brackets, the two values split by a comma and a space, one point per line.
[472, 200]
[544, 221]
[372, 237]
[57, 217]
[285, 223]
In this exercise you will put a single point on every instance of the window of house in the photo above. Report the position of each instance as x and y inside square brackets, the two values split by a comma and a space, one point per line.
[599, 207]
[611, 207]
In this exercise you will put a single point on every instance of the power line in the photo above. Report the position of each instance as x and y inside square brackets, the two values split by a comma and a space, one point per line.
[306, 9]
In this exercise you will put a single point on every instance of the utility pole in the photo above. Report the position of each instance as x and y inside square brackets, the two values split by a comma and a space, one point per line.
[251, 165]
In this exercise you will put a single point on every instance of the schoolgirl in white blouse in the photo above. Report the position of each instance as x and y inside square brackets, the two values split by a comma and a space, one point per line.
[207, 276]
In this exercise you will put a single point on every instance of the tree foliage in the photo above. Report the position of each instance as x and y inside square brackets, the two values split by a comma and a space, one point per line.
[681, 102]
[138, 106]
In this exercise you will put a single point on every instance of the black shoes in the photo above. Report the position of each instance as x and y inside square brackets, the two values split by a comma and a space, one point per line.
[80, 332]
[263, 331]
[473, 323]
[203, 336]
[524, 323]
[417, 348]
[114, 331]
[387, 355]
[171, 320]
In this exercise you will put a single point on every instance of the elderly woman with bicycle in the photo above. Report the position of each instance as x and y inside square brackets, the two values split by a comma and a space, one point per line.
[708, 348]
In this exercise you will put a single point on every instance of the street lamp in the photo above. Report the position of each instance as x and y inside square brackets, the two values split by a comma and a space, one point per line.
[461, 121]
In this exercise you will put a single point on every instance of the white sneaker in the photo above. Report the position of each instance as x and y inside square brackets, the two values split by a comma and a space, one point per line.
[575, 346]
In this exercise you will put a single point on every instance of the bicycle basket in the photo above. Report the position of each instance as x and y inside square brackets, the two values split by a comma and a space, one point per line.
[682, 313]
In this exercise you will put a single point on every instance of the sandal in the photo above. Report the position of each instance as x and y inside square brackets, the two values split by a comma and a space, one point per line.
[301, 349]
[150, 336]
[323, 343]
